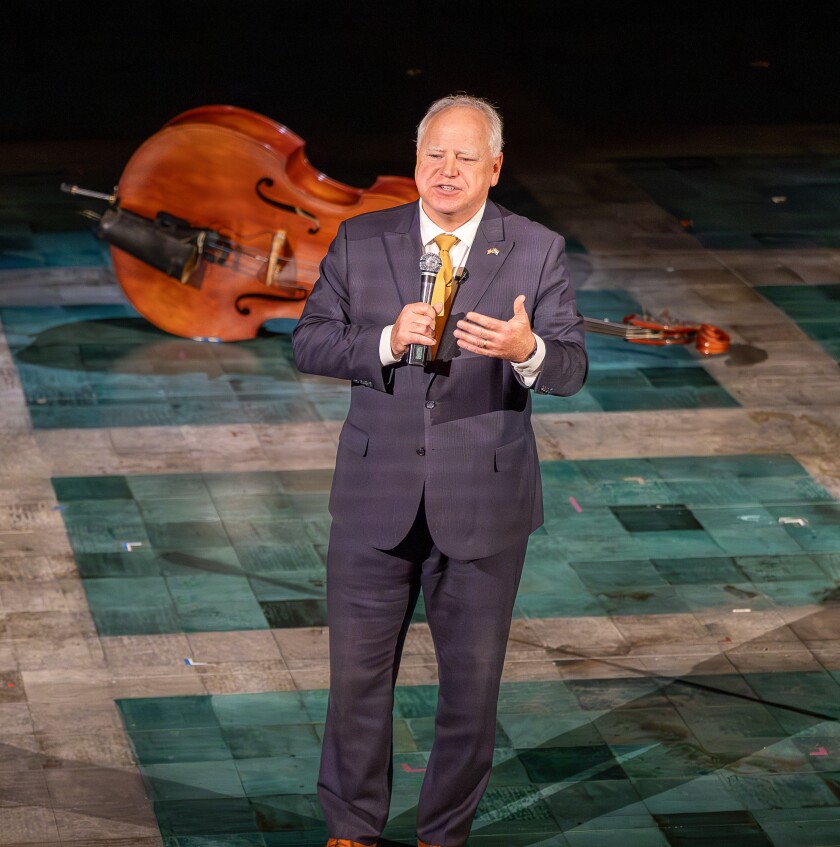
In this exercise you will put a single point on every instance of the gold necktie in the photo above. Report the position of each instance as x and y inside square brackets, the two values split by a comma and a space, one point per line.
[442, 292]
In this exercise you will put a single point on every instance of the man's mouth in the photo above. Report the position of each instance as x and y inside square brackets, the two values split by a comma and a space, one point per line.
[447, 188]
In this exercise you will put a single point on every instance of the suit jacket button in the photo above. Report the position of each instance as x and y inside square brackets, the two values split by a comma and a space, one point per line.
[430, 404]
[421, 451]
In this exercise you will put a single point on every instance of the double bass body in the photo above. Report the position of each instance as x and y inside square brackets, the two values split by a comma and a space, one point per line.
[261, 218]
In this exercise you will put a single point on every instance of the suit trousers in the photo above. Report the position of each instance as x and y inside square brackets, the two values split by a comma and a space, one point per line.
[371, 595]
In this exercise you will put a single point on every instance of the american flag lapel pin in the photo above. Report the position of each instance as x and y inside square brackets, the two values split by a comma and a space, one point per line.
[493, 250]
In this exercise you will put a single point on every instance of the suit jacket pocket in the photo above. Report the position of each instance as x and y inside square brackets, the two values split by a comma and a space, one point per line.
[510, 457]
[354, 439]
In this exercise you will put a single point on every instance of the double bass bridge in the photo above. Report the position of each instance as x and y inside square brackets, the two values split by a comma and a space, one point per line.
[275, 260]
[278, 260]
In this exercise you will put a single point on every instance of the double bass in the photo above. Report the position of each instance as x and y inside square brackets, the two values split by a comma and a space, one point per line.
[219, 222]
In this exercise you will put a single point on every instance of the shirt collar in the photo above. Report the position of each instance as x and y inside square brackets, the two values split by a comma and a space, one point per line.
[465, 233]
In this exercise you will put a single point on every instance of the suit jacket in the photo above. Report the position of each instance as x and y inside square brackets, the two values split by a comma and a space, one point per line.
[460, 429]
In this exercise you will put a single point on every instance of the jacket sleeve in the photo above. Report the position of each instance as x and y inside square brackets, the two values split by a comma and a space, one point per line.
[556, 320]
[326, 341]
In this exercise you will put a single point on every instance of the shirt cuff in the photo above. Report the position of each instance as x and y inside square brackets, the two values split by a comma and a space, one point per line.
[385, 355]
[530, 369]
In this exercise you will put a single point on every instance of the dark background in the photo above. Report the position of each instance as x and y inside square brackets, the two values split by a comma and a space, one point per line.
[363, 73]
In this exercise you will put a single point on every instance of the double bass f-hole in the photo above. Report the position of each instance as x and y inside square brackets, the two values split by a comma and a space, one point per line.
[268, 182]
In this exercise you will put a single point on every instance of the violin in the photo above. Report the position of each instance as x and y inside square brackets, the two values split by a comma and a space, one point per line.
[662, 331]
[219, 222]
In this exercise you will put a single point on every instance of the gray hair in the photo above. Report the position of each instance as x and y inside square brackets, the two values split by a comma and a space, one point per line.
[466, 101]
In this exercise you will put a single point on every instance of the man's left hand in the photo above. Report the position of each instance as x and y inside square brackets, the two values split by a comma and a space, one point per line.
[510, 340]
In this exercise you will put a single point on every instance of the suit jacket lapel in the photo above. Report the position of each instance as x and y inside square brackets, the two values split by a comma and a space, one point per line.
[403, 248]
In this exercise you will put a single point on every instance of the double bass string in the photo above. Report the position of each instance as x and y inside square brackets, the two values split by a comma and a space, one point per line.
[235, 248]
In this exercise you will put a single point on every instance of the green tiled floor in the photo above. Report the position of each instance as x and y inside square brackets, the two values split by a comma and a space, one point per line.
[815, 308]
[197, 552]
[604, 761]
[104, 366]
[748, 202]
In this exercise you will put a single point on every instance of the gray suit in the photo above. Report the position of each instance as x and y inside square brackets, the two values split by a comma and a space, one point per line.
[456, 438]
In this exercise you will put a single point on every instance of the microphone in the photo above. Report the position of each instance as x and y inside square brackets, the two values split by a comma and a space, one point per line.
[430, 264]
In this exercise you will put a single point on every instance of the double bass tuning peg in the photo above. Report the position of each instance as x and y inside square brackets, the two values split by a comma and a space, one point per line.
[68, 188]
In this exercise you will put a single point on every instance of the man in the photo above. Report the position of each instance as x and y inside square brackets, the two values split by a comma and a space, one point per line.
[437, 479]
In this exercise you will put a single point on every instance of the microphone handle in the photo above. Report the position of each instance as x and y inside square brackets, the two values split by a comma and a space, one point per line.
[419, 353]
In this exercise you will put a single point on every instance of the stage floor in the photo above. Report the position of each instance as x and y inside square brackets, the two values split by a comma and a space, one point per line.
[673, 674]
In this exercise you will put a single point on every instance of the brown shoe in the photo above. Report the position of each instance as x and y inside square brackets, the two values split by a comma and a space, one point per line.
[346, 842]
[423, 844]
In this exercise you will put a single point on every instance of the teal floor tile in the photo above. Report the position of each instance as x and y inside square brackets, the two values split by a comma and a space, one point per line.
[76, 489]
[597, 804]
[656, 518]
[267, 709]
[642, 837]
[416, 701]
[231, 839]
[643, 600]
[216, 817]
[531, 839]
[555, 764]
[185, 744]
[715, 835]
[635, 692]
[278, 775]
[193, 781]
[815, 308]
[116, 593]
[820, 688]
[287, 813]
[137, 620]
[254, 742]
[762, 569]
[711, 793]
[155, 713]
[288, 614]
[694, 571]
[518, 806]
[782, 791]
[222, 617]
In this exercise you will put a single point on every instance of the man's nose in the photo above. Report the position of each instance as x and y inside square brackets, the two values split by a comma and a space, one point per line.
[450, 165]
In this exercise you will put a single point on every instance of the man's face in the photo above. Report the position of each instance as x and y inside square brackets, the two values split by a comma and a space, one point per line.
[455, 168]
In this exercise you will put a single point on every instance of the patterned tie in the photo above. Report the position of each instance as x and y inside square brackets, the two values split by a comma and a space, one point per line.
[442, 292]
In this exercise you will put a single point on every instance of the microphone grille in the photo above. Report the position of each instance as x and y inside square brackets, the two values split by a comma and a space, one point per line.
[430, 263]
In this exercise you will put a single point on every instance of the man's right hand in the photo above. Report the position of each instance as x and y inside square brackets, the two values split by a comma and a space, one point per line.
[415, 324]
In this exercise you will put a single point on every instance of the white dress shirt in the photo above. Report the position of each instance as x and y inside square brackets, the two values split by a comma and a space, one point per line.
[527, 371]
